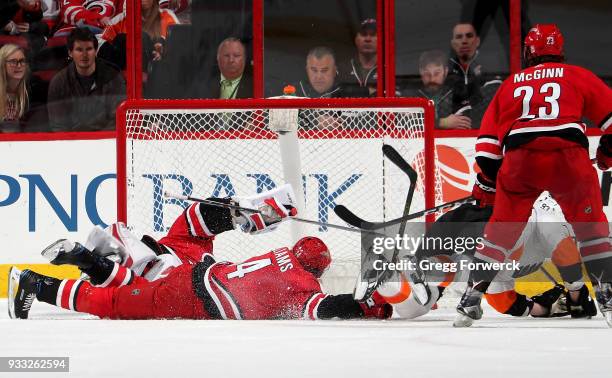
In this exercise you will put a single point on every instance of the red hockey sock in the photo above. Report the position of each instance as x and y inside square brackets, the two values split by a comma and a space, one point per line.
[119, 276]
[64, 295]
[77, 295]
[95, 300]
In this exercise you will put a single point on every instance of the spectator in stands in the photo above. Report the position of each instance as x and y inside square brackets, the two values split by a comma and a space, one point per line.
[23, 18]
[433, 69]
[465, 72]
[84, 95]
[13, 89]
[234, 81]
[360, 71]
[155, 24]
[177, 6]
[322, 73]
[50, 13]
[92, 14]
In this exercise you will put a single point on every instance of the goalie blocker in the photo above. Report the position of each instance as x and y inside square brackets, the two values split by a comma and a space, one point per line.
[272, 206]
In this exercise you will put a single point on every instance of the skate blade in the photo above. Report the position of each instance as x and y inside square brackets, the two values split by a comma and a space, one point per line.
[13, 286]
[51, 252]
[462, 321]
[422, 294]
[360, 291]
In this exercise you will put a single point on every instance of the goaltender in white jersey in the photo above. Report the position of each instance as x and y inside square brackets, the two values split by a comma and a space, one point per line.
[546, 236]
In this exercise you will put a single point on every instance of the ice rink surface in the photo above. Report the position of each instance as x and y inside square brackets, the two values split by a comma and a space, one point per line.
[496, 347]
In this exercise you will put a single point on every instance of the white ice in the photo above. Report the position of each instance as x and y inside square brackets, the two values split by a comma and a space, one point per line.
[497, 346]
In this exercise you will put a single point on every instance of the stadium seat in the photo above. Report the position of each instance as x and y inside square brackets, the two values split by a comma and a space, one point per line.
[18, 40]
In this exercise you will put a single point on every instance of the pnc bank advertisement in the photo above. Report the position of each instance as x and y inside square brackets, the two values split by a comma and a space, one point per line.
[60, 189]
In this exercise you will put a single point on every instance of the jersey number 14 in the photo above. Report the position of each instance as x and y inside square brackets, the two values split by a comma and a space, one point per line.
[553, 92]
[248, 267]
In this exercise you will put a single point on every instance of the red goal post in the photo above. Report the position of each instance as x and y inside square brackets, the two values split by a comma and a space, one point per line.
[329, 150]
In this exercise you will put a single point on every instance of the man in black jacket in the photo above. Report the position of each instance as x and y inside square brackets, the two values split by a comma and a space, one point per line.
[465, 74]
[84, 95]
[234, 80]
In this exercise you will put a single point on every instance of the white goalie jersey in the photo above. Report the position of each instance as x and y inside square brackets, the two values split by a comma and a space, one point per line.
[546, 231]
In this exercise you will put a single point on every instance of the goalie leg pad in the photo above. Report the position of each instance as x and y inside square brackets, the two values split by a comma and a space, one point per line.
[584, 306]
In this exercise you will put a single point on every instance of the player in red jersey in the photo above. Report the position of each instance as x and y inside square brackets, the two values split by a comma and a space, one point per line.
[281, 284]
[532, 139]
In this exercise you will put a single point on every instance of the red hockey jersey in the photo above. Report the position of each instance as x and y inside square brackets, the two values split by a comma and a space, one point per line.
[549, 99]
[270, 286]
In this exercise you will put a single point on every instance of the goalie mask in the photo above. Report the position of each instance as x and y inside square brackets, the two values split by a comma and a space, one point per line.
[313, 255]
[543, 40]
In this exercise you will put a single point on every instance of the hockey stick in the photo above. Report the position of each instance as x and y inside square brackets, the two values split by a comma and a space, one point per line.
[548, 275]
[397, 159]
[394, 156]
[352, 219]
[417, 279]
[248, 210]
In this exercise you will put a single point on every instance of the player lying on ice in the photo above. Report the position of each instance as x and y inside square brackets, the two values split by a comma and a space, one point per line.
[547, 236]
[179, 277]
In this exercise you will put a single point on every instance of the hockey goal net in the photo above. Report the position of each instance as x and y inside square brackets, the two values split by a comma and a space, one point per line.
[234, 148]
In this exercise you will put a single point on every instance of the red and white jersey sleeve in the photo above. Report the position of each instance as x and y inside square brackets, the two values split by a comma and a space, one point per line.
[270, 286]
[189, 237]
[597, 105]
[77, 12]
[489, 152]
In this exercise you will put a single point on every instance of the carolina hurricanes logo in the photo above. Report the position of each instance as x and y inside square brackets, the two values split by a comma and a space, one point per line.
[453, 173]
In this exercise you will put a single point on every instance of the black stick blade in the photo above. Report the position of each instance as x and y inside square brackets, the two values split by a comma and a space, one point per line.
[351, 218]
[397, 159]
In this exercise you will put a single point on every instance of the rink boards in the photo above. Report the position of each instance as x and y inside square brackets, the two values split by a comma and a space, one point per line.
[60, 189]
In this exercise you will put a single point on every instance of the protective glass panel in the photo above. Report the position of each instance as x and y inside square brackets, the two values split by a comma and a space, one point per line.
[292, 28]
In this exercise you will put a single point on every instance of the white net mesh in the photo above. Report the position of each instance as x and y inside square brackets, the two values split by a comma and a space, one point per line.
[232, 152]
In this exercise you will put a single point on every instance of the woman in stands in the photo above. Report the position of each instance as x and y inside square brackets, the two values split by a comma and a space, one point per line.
[155, 24]
[25, 26]
[13, 88]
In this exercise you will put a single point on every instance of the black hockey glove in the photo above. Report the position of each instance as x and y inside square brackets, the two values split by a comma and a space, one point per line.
[604, 153]
[483, 191]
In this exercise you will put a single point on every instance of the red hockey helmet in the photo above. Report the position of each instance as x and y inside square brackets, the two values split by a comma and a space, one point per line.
[312, 254]
[544, 39]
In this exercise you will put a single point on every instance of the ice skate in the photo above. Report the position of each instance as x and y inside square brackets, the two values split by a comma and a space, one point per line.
[603, 294]
[22, 289]
[418, 281]
[370, 278]
[66, 252]
[469, 308]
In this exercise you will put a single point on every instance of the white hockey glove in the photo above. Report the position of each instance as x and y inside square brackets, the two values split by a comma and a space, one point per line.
[274, 206]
